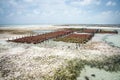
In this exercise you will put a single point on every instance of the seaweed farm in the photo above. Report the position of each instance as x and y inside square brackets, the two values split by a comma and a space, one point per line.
[90, 30]
[108, 31]
[41, 38]
[76, 38]
[84, 36]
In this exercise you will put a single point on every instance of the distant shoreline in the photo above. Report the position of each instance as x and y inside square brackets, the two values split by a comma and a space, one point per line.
[100, 25]
[52, 27]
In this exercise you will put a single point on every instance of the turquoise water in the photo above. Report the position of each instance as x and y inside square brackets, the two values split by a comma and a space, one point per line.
[113, 40]
[89, 73]
[43, 31]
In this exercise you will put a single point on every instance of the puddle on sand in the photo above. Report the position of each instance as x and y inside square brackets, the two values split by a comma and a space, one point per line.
[89, 73]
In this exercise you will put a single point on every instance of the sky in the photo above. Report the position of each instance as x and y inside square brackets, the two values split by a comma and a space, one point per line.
[59, 12]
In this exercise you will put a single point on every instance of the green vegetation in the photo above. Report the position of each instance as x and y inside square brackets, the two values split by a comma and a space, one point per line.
[68, 72]
[109, 64]
[82, 30]
[76, 29]
[76, 38]
[15, 31]
[72, 40]
[74, 67]
[107, 31]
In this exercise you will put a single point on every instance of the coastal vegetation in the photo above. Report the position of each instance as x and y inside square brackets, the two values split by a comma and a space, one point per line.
[68, 72]
[15, 31]
[108, 31]
[79, 30]
[74, 67]
[84, 30]
[109, 63]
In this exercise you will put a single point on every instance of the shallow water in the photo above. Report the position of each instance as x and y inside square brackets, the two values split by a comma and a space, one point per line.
[89, 73]
[43, 31]
[113, 40]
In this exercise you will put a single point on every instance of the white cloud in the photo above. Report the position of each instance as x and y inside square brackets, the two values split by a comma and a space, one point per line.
[85, 2]
[36, 11]
[110, 3]
[59, 11]
[55, 11]
[117, 13]
[45, 8]
[29, 1]
[19, 13]
[13, 2]
[107, 17]
[106, 12]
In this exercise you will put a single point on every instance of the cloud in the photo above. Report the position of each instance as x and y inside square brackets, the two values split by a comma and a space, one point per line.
[29, 1]
[36, 11]
[117, 13]
[110, 3]
[13, 2]
[107, 17]
[106, 12]
[57, 11]
[43, 8]
[84, 2]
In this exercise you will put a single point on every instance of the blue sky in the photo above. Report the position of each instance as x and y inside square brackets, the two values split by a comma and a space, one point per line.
[59, 12]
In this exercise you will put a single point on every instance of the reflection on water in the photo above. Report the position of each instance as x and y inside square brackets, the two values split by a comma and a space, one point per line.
[89, 73]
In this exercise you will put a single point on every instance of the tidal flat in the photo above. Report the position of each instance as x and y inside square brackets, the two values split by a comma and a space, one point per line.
[96, 59]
